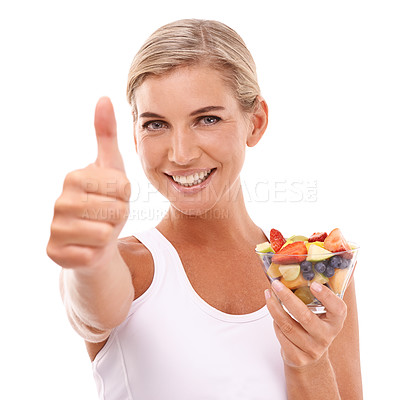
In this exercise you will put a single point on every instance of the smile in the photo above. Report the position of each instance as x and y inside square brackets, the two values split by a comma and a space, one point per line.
[194, 179]
[191, 180]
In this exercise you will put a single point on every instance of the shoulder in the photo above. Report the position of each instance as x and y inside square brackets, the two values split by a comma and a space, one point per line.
[139, 261]
[131, 247]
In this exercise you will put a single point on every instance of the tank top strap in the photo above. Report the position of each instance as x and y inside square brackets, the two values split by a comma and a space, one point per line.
[152, 240]
[159, 251]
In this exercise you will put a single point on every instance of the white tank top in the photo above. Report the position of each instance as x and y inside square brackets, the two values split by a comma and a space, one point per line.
[174, 346]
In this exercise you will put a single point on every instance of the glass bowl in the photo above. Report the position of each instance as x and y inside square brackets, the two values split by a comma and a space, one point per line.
[333, 270]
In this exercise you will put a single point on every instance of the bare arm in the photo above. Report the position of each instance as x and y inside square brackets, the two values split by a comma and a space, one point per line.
[344, 352]
[97, 300]
[95, 282]
[317, 381]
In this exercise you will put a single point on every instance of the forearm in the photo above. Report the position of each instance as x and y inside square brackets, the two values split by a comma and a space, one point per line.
[312, 383]
[97, 297]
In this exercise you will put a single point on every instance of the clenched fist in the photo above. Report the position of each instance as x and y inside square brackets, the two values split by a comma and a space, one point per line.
[94, 204]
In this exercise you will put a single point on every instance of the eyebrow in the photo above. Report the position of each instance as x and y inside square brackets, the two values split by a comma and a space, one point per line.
[202, 110]
[206, 109]
[148, 114]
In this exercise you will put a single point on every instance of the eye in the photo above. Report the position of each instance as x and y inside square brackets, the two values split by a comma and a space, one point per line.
[209, 120]
[154, 125]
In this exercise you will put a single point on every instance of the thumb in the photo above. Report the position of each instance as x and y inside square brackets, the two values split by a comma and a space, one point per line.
[108, 154]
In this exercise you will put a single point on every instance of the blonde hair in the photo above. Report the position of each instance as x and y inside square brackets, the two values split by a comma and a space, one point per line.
[191, 42]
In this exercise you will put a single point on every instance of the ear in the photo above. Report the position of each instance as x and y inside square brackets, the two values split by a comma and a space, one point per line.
[259, 120]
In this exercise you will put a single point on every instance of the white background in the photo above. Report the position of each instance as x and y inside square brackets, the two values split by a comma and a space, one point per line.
[330, 74]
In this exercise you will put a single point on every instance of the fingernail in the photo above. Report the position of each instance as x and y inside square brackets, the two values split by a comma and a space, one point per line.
[267, 294]
[317, 287]
[277, 285]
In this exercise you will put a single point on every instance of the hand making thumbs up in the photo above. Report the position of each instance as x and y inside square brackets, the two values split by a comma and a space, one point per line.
[94, 204]
[106, 134]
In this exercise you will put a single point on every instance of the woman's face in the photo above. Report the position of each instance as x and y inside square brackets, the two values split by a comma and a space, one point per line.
[191, 136]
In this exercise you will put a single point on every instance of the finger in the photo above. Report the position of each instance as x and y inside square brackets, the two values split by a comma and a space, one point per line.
[102, 181]
[288, 327]
[76, 255]
[292, 355]
[92, 207]
[336, 309]
[307, 319]
[108, 154]
[83, 233]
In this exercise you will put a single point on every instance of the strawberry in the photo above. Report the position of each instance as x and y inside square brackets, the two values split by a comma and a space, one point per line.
[276, 239]
[318, 237]
[291, 254]
[335, 242]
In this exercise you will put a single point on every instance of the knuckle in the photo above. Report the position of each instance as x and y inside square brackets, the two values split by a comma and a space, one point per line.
[59, 205]
[64, 205]
[72, 258]
[342, 310]
[127, 190]
[286, 327]
[305, 317]
[50, 251]
[123, 211]
[118, 186]
[56, 254]
[73, 178]
[285, 296]
[124, 187]
[55, 230]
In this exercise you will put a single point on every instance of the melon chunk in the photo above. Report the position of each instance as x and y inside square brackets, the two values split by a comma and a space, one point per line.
[337, 281]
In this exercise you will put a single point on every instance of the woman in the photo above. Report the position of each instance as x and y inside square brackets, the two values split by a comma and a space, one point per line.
[203, 323]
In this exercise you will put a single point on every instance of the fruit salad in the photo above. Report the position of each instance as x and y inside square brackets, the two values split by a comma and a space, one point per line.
[298, 261]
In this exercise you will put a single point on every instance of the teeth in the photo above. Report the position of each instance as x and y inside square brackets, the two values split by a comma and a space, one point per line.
[190, 180]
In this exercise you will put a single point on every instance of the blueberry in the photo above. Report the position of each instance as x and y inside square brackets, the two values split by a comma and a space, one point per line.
[335, 261]
[329, 271]
[344, 264]
[306, 266]
[320, 267]
[308, 275]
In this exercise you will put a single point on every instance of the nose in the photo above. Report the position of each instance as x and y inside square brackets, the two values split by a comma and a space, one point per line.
[183, 147]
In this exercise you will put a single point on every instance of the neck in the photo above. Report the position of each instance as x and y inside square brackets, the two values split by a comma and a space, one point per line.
[227, 223]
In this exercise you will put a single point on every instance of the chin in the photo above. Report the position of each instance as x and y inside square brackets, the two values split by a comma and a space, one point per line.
[190, 210]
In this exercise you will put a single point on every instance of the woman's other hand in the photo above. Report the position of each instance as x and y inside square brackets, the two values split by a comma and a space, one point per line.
[305, 340]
